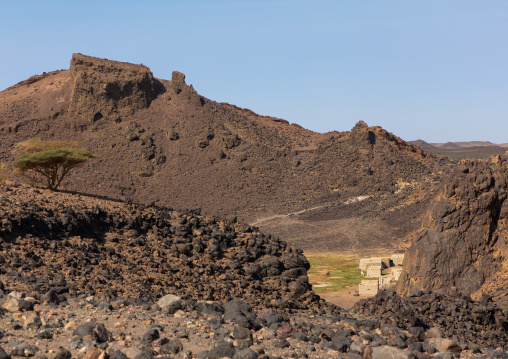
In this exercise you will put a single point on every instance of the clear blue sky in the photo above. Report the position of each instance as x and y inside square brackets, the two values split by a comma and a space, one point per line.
[433, 69]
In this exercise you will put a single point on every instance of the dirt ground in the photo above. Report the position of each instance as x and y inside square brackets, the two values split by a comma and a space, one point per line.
[345, 298]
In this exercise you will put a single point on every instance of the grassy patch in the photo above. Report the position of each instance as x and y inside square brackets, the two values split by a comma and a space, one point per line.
[332, 272]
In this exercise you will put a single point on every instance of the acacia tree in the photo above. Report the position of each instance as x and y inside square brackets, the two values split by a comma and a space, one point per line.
[52, 160]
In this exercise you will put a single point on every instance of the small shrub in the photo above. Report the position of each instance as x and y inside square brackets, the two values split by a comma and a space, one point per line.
[37, 145]
[51, 160]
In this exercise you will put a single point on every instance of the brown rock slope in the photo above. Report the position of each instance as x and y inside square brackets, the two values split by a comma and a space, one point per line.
[85, 246]
[160, 141]
[464, 240]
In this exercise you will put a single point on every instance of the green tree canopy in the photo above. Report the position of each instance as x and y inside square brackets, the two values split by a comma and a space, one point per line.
[37, 145]
[50, 159]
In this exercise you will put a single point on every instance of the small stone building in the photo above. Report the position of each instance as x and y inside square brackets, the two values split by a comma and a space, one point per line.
[368, 262]
[369, 287]
[396, 260]
[373, 272]
[373, 268]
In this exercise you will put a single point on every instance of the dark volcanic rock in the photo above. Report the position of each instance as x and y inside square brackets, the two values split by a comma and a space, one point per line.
[438, 315]
[172, 347]
[223, 349]
[179, 252]
[464, 240]
[63, 353]
[117, 354]
[108, 89]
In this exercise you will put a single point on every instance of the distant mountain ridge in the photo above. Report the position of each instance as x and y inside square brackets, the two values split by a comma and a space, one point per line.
[456, 151]
[422, 144]
[455, 145]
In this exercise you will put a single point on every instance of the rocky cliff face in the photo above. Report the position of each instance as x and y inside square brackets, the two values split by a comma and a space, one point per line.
[464, 241]
[108, 89]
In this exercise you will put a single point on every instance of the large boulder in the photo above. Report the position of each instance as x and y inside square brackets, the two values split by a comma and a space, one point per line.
[463, 243]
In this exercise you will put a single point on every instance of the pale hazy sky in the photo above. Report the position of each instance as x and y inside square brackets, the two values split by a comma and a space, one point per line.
[434, 69]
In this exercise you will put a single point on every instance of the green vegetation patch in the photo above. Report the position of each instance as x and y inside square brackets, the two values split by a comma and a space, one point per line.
[333, 272]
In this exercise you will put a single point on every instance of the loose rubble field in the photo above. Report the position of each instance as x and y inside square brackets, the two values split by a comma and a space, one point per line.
[172, 327]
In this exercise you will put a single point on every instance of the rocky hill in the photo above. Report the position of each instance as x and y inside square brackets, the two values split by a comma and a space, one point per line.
[459, 154]
[463, 243]
[422, 144]
[160, 142]
[86, 246]
[466, 144]
[455, 153]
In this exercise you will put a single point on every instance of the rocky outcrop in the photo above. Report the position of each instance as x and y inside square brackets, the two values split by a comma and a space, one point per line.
[440, 315]
[80, 245]
[186, 92]
[464, 240]
[108, 89]
[372, 160]
[362, 136]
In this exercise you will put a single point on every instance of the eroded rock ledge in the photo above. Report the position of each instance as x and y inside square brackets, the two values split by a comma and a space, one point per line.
[108, 89]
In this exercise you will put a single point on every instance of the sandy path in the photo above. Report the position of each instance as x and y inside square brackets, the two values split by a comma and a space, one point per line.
[345, 298]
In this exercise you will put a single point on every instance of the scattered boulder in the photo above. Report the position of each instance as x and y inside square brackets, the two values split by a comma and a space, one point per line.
[63, 353]
[169, 300]
[441, 315]
[223, 349]
[12, 304]
[384, 352]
